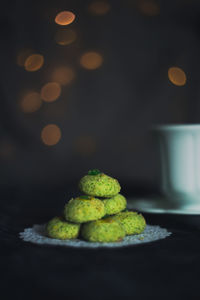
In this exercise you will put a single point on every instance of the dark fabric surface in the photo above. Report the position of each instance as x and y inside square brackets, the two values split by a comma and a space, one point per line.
[166, 269]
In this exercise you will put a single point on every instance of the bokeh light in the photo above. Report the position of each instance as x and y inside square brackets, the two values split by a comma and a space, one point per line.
[63, 75]
[148, 7]
[65, 36]
[51, 134]
[22, 56]
[85, 145]
[177, 76]
[50, 91]
[31, 102]
[99, 8]
[91, 60]
[34, 62]
[64, 18]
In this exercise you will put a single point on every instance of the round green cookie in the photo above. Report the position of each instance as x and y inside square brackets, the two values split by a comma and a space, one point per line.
[84, 209]
[58, 228]
[99, 185]
[103, 231]
[115, 204]
[132, 222]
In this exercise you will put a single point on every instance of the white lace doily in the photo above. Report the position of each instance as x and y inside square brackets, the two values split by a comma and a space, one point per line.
[36, 235]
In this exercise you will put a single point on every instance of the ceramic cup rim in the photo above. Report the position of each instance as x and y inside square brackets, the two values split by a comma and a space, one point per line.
[175, 127]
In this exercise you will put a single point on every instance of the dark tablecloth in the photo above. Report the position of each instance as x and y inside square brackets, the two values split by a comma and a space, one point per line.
[165, 269]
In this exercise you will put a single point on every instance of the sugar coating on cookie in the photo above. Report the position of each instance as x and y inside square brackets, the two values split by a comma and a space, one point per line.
[132, 222]
[84, 209]
[115, 204]
[99, 185]
[103, 231]
[59, 228]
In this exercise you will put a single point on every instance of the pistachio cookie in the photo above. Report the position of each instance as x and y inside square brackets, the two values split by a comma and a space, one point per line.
[84, 209]
[132, 222]
[98, 184]
[103, 231]
[115, 204]
[59, 228]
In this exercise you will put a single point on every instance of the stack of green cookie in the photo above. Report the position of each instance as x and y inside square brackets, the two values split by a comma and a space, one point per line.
[98, 215]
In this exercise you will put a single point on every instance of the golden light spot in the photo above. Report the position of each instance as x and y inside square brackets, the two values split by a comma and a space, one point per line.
[22, 56]
[50, 91]
[177, 76]
[148, 7]
[65, 18]
[65, 37]
[31, 102]
[63, 75]
[34, 62]
[91, 60]
[51, 134]
[85, 145]
[99, 8]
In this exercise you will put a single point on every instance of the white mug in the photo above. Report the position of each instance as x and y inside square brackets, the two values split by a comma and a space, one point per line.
[179, 150]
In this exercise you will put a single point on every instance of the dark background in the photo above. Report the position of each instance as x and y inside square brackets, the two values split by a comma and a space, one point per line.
[104, 114]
